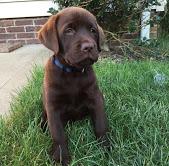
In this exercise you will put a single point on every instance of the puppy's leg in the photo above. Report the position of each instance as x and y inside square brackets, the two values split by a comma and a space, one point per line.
[59, 150]
[99, 120]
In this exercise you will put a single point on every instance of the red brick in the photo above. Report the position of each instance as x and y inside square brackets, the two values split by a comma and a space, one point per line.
[7, 36]
[36, 35]
[17, 41]
[33, 28]
[3, 41]
[23, 22]
[25, 35]
[15, 29]
[40, 21]
[6, 23]
[33, 41]
[2, 30]
[154, 29]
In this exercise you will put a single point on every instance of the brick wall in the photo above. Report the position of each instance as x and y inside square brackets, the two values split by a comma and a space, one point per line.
[154, 27]
[154, 31]
[21, 30]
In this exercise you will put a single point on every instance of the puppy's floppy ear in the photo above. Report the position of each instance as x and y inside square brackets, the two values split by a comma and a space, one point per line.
[101, 38]
[48, 34]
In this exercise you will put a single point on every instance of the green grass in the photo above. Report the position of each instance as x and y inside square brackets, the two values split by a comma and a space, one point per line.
[137, 110]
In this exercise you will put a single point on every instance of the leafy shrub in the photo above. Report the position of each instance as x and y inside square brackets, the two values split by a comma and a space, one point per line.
[165, 22]
[113, 15]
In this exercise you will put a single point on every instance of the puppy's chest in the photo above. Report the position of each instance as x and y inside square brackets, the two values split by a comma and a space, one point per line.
[76, 99]
[75, 92]
[75, 106]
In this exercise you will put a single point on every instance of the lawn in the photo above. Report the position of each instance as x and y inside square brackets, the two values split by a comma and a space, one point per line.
[138, 112]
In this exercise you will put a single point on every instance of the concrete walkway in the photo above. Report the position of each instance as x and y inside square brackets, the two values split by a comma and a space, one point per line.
[15, 67]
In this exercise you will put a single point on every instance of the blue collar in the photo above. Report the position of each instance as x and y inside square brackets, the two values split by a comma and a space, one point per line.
[66, 68]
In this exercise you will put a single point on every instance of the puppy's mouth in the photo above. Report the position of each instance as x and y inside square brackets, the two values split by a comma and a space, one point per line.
[86, 62]
[83, 63]
[81, 60]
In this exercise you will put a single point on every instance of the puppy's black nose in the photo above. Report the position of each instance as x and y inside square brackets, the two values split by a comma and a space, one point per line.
[87, 46]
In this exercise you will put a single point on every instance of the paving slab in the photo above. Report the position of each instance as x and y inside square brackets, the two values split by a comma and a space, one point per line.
[15, 68]
[8, 47]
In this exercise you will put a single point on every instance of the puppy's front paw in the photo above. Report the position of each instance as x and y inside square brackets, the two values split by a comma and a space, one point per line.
[60, 155]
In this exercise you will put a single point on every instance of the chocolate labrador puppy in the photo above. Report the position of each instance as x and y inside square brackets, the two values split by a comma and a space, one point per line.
[70, 90]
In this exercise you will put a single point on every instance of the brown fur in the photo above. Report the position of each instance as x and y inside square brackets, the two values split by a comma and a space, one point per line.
[73, 35]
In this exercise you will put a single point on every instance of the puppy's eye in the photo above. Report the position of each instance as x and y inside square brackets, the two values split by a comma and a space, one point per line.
[69, 31]
[93, 30]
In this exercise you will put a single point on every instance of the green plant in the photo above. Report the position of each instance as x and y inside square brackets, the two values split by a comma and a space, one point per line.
[112, 15]
[165, 22]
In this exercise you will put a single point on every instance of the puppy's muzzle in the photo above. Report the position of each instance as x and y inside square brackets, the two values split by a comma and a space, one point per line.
[87, 47]
[88, 61]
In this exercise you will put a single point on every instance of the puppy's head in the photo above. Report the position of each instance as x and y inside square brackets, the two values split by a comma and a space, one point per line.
[73, 33]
